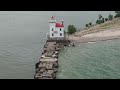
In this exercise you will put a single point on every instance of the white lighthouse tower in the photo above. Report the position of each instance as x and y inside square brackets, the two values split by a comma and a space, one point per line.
[56, 29]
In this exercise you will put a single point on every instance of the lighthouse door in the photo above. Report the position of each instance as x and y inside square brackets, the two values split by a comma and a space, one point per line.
[55, 33]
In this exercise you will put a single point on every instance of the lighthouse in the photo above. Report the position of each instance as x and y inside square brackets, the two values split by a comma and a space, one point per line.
[56, 29]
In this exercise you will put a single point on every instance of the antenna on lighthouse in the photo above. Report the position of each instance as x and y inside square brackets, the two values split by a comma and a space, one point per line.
[62, 21]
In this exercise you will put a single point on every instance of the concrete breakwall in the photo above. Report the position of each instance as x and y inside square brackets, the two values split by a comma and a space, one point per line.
[48, 65]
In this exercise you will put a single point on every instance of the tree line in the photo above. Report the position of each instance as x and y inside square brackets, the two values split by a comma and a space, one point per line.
[101, 19]
[72, 29]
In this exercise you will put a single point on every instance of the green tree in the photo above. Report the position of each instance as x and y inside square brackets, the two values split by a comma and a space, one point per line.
[97, 22]
[100, 19]
[110, 17]
[71, 29]
[90, 24]
[117, 14]
[103, 20]
[106, 19]
[100, 16]
[87, 25]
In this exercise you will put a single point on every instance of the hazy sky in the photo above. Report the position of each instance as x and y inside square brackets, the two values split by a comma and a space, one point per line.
[77, 18]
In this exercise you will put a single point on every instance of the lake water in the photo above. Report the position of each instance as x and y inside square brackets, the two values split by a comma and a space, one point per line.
[99, 60]
[22, 36]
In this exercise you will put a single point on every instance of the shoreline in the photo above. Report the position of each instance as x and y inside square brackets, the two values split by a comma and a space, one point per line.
[98, 36]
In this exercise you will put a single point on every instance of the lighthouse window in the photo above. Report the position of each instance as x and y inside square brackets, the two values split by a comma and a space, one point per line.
[52, 34]
[60, 34]
[60, 29]
[52, 29]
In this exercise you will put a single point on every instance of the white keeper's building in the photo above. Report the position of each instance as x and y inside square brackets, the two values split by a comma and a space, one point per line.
[56, 30]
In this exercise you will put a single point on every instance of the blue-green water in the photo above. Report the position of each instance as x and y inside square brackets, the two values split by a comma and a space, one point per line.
[22, 36]
[99, 60]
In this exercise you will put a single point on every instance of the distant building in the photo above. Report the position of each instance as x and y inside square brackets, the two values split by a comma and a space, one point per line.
[56, 30]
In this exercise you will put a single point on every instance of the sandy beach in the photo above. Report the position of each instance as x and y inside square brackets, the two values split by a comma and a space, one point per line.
[99, 36]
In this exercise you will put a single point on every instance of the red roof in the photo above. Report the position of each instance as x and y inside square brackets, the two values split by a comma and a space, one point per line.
[52, 17]
[59, 25]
